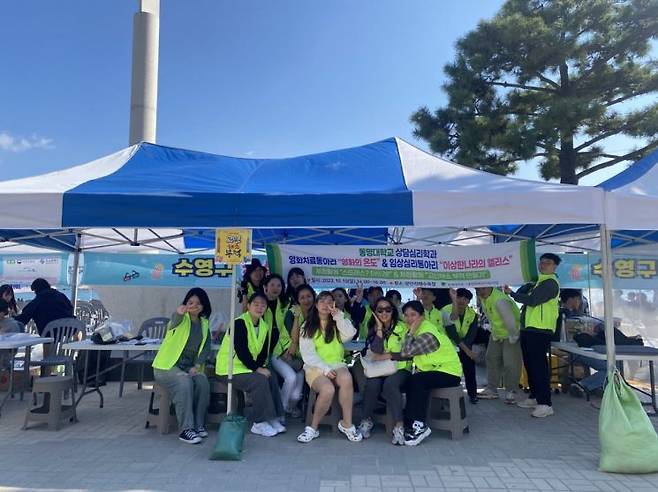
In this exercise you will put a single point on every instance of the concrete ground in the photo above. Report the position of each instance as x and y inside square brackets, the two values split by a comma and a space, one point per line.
[109, 449]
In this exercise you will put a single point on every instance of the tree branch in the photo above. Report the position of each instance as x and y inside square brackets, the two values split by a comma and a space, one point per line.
[630, 156]
[521, 86]
[547, 80]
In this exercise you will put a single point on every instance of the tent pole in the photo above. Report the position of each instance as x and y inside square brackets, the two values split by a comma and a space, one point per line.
[230, 334]
[75, 275]
[606, 264]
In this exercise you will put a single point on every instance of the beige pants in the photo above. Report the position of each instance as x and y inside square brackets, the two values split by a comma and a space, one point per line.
[504, 361]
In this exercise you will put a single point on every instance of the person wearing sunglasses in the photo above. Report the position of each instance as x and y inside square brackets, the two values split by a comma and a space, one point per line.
[436, 365]
[385, 334]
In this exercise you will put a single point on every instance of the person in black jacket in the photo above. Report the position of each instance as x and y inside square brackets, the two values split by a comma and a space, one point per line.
[48, 305]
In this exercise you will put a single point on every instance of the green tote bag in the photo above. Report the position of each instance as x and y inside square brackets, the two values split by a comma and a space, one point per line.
[629, 443]
[230, 438]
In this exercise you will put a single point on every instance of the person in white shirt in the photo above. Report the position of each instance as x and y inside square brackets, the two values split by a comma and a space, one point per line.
[321, 347]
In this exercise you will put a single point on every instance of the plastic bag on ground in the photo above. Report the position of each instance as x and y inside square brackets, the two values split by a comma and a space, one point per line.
[629, 443]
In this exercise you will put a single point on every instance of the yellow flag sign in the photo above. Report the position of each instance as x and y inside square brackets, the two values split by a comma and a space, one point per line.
[233, 246]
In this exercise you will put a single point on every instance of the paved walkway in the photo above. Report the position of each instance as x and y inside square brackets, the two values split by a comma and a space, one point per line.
[109, 449]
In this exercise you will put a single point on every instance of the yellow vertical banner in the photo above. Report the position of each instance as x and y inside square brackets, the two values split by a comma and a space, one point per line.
[233, 246]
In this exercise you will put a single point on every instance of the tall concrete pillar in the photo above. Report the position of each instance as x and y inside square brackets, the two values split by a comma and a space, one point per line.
[144, 85]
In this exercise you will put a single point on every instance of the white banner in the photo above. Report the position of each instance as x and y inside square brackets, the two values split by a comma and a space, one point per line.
[402, 266]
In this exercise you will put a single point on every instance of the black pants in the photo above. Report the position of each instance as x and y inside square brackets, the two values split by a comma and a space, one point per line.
[419, 386]
[535, 346]
[468, 364]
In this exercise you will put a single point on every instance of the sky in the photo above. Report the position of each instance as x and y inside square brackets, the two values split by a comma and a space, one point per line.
[249, 78]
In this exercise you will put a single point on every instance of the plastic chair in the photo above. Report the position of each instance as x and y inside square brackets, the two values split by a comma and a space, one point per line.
[447, 411]
[53, 410]
[63, 331]
[151, 328]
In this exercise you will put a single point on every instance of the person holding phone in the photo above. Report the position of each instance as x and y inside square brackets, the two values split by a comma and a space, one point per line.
[321, 346]
[385, 334]
[178, 365]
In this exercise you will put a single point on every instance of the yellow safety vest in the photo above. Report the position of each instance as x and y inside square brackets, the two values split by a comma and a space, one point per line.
[284, 336]
[254, 343]
[461, 327]
[435, 317]
[174, 342]
[498, 328]
[443, 359]
[330, 353]
[363, 327]
[544, 316]
[394, 344]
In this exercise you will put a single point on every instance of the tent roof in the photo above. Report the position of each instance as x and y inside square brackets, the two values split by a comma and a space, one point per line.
[386, 183]
[631, 200]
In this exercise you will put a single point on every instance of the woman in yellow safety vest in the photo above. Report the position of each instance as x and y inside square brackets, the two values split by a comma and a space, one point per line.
[254, 342]
[286, 366]
[252, 282]
[296, 278]
[385, 334]
[321, 346]
[298, 313]
[178, 365]
[436, 366]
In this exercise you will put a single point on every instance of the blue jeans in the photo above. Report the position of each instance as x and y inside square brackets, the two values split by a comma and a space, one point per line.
[596, 380]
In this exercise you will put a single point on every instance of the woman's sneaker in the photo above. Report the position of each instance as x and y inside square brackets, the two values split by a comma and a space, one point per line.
[263, 429]
[510, 398]
[351, 432]
[365, 427]
[415, 435]
[189, 436]
[527, 403]
[201, 432]
[277, 426]
[488, 394]
[308, 435]
[398, 436]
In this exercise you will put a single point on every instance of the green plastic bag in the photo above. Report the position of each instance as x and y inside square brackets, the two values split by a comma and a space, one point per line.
[629, 443]
[230, 438]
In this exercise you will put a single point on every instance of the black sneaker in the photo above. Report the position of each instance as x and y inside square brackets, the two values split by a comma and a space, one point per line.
[473, 400]
[415, 435]
[201, 432]
[189, 436]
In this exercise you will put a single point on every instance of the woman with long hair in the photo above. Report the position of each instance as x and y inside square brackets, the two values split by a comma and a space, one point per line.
[299, 312]
[321, 346]
[296, 278]
[385, 334]
[254, 341]
[286, 366]
[7, 293]
[178, 365]
[252, 282]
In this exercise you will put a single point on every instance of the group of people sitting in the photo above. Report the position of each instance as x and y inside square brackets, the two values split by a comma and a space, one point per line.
[289, 332]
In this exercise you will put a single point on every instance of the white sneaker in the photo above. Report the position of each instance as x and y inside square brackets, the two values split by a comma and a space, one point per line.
[488, 394]
[510, 398]
[308, 435]
[527, 403]
[277, 426]
[351, 432]
[398, 436]
[542, 411]
[263, 429]
[365, 427]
